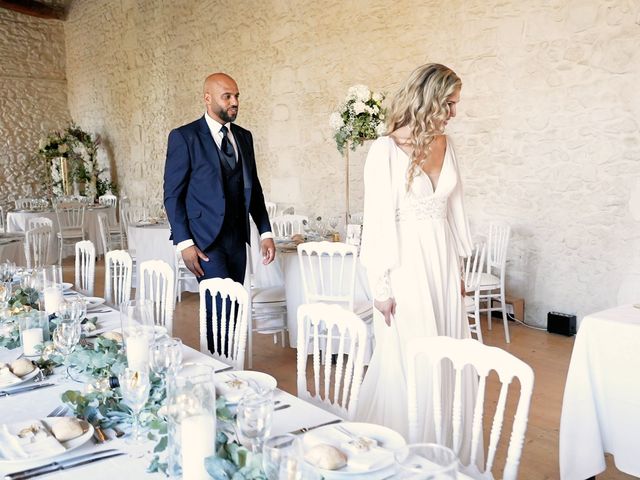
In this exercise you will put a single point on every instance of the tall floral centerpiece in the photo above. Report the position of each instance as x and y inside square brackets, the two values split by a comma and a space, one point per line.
[360, 117]
[70, 157]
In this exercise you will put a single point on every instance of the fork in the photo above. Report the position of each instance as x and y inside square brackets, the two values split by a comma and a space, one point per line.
[58, 411]
[346, 432]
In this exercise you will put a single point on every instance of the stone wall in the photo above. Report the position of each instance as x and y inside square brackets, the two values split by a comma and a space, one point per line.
[547, 130]
[33, 96]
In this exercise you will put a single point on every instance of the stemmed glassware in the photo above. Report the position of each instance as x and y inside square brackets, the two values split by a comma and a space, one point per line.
[135, 386]
[426, 461]
[65, 338]
[255, 412]
[5, 293]
[165, 355]
[282, 456]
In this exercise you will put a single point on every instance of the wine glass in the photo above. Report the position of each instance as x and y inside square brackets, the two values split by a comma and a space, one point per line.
[255, 412]
[6, 288]
[426, 461]
[65, 338]
[135, 386]
[281, 455]
[165, 355]
[333, 223]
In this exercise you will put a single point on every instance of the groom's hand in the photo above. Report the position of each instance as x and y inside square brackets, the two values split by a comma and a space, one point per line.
[268, 250]
[192, 256]
[387, 308]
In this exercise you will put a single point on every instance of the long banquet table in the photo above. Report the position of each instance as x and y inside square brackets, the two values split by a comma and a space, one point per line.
[601, 405]
[39, 403]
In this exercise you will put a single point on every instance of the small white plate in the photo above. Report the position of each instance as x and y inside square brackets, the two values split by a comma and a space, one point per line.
[93, 302]
[22, 380]
[233, 385]
[386, 438]
[67, 285]
[69, 445]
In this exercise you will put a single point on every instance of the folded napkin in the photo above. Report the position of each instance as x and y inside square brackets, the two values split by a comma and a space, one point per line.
[28, 439]
[232, 388]
[7, 378]
[373, 459]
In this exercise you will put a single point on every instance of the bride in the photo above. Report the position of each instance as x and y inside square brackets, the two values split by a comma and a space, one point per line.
[414, 233]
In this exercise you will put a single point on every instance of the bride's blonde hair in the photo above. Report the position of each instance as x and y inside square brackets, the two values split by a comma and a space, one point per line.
[421, 103]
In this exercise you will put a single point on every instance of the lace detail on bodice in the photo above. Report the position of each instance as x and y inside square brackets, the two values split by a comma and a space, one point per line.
[422, 208]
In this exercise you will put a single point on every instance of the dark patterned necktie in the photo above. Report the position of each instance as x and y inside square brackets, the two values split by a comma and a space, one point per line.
[226, 148]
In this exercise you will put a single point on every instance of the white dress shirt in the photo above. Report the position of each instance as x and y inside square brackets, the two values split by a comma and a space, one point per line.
[216, 134]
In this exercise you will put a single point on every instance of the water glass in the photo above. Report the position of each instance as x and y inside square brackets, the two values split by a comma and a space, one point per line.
[426, 461]
[135, 387]
[50, 275]
[72, 308]
[165, 355]
[255, 412]
[281, 455]
[65, 338]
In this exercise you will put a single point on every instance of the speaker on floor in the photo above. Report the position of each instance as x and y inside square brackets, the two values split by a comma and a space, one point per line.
[561, 323]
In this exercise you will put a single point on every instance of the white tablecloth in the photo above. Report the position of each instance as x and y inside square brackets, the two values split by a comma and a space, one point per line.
[601, 406]
[151, 242]
[17, 222]
[12, 249]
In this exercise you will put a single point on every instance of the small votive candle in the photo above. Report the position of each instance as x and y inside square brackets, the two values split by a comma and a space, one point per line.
[198, 435]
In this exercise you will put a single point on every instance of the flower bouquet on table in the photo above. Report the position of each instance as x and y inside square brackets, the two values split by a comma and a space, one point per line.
[360, 117]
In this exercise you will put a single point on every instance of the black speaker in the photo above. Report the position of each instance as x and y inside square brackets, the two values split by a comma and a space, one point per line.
[561, 323]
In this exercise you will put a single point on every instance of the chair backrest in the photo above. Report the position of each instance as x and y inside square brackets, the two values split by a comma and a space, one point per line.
[336, 330]
[156, 283]
[85, 267]
[286, 225]
[473, 267]
[108, 200]
[23, 203]
[428, 352]
[226, 299]
[498, 244]
[105, 233]
[356, 218]
[272, 208]
[117, 277]
[37, 246]
[70, 215]
[38, 222]
[328, 271]
[132, 214]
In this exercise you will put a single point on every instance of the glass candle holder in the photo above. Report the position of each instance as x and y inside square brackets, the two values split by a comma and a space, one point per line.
[191, 406]
[138, 332]
[426, 461]
[52, 297]
[34, 331]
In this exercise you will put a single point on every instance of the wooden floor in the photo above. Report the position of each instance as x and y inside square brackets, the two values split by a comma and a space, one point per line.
[546, 353]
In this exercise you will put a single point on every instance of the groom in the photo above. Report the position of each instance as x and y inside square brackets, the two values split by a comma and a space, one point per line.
[211, 187]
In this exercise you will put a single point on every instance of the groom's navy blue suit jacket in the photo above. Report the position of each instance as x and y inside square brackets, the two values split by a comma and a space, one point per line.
[193, 185]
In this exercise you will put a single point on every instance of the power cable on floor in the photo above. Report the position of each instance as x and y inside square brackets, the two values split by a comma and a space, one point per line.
[510, 316]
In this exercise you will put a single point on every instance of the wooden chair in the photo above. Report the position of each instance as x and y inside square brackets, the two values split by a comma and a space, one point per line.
[473, 266]
[336, 387]
[117, 277]
[428, 352]
[85, 267]
[233, 304]
[37, 246]
[492, 282]
[157, 284]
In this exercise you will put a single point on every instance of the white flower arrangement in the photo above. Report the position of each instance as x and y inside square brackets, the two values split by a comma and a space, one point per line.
[360, 117]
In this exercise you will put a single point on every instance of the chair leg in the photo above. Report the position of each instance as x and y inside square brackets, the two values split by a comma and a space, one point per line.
[505, 320]
[477, 318]
[489, 310]
[250, 341]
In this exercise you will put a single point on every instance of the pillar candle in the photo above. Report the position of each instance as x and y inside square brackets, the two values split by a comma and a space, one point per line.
[138, 352]
[30, 338]
[52, 298]
[198, 434]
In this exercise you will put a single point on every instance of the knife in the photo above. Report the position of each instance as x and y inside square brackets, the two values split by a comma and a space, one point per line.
[306, 429]
[64, 464]
[281, 407]
[6, 393]
[224, 369]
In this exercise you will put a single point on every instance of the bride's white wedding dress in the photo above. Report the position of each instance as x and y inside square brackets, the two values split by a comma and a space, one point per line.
[411, 245]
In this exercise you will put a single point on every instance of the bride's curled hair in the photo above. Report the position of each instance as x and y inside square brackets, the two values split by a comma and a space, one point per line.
[421, 104]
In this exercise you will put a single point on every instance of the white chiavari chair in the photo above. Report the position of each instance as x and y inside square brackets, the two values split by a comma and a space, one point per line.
[85, 267]
[156, 283]
[284, 226]
[473, 266]
[229, 338]
[38, 222]
[71, 222]
[117, 277]
[462, 357]
[37, 246]
[336, 387]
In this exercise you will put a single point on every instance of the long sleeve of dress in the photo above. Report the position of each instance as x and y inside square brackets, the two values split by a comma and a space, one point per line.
[379, 249]
[456, 216]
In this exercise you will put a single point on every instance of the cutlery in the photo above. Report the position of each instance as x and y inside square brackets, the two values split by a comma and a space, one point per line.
[281, 407]
[119, 433]
[64, 464]
[306, 429]
[224, 369]
[58, 411]
[99, 311]
[5, 393]
[99, 435]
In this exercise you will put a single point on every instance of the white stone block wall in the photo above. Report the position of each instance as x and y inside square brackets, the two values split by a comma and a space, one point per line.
[547, 130]
[33, 96]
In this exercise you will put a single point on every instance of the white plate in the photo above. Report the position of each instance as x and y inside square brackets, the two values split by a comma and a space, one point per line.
[93, 302]
[67, 285]
[22, 380]
[68, 445]
[388, 439]
[250, 381]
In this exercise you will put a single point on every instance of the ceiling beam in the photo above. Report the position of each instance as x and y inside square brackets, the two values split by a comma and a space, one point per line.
[35, 9]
